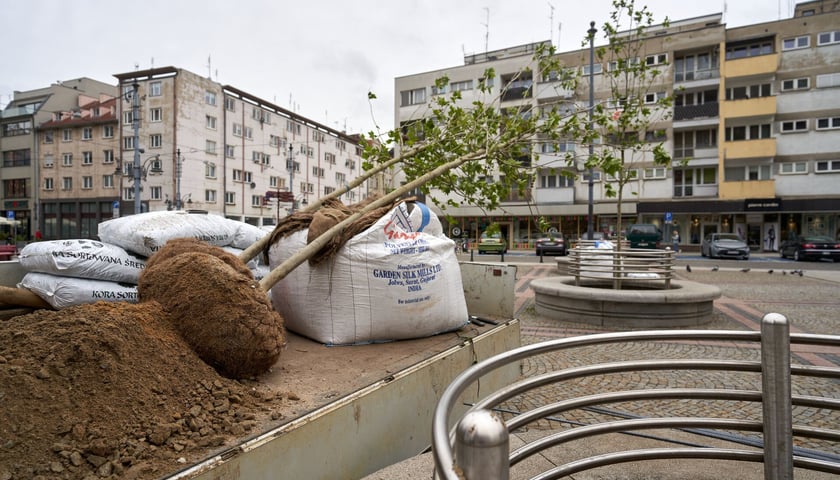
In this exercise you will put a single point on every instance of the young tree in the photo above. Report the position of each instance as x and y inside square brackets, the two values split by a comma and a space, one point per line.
[627, 122]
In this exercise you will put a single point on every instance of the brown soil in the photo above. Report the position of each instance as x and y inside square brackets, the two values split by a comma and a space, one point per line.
[111, 389]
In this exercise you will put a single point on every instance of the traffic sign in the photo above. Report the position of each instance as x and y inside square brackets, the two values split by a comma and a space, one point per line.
[668, 217]
[10, 214]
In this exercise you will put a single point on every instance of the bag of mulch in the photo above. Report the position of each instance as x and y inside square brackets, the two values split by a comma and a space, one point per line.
[398, 279]
[82, 258]
[145, 233]
[62, 292]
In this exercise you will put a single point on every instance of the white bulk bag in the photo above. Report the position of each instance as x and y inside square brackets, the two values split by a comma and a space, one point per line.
[62, 292]
[398, 279]
[145, 233]
[82, 258]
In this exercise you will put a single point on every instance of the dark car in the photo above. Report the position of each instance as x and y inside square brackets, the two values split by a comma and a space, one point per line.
[811, 247]
[554, 244]
[644, 235]
[724, 245]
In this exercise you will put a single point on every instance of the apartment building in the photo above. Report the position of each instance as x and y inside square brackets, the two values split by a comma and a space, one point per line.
[754, 132]
[21, 147]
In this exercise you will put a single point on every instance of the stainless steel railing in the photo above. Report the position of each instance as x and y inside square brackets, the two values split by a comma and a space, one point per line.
[478, 445]
[654, 267]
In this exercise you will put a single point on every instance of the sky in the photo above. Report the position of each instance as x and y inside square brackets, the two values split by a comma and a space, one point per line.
[318, 58]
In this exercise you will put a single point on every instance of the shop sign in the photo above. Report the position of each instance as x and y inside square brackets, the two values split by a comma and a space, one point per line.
[762, 204]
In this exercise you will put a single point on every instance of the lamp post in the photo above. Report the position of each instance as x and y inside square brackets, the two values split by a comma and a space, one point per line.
[178, 179]
[591, 32]
[139, 171]
[290, 165]
[135, 120]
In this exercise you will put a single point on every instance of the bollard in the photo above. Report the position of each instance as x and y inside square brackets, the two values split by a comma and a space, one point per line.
[503, 255]
[482, 446]
[471, 255]
[776, 404]
[541, 256]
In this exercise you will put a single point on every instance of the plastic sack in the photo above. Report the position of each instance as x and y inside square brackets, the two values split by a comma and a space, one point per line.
[82, 258]
[398, 279]
[145, 233]
[62, 292]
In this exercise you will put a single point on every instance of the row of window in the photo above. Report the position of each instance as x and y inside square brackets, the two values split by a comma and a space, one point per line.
[87, 158]
[804, 41]
[86, 133]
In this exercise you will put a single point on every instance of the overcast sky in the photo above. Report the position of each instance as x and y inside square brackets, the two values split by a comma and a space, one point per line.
[319, 58]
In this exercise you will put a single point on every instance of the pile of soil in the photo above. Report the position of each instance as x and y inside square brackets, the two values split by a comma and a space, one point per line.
[112, 390]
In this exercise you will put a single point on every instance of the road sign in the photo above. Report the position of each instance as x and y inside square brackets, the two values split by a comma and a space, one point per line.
[10, 214]
[668, 217]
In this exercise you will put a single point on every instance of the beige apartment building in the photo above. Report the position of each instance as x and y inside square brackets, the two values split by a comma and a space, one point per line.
[754, 132]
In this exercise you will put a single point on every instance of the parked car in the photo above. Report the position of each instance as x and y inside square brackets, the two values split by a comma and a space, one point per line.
[552, 244]
[644, 235]
[492, 243]
[812, 247]
[730, 245]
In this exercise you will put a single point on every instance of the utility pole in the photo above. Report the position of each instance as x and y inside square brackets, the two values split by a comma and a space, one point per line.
[135, 120]
[290, 164]
[592, 30]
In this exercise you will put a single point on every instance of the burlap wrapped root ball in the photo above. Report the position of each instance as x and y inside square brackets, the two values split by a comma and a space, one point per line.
[222, 313]
[177, 246]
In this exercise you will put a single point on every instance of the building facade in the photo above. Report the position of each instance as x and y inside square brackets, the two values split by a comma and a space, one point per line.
[754, 132]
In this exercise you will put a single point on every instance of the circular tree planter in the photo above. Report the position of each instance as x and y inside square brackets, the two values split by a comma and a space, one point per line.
[637, 304]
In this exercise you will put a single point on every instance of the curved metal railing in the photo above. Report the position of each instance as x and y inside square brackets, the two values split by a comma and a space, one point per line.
[478, 446]
[621, 266]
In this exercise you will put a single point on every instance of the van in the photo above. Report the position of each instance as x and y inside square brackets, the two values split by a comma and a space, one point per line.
[644, 235]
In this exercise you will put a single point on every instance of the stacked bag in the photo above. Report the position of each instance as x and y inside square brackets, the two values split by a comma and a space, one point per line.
[72, 272]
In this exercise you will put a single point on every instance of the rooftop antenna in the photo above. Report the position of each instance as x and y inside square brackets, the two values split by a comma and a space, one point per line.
[559, 31]
[487, 30]
[209, 68]
[152, 63]
[550, 21]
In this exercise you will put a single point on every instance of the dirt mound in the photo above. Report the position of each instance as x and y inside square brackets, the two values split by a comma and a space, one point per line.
[222, 313]
[178, 246]
[112, 389]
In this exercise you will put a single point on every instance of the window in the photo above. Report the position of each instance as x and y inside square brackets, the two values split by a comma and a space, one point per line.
[412, 97]
[461, 86]
[108, 156]
[257, 200]
[318, 172]
[596, 177]
[128, 193]
[340, 145]
[747, 92]
[210, 170]
[307, 187]
[747, 173]
[66, 135]
[622, 64]
[654, 97]
[828, 123]
[274, 141]
[549, 178]
[209, 98]
[108, 181]
[828, 80]
[49, 161]
[155, 115]
[340, 178]
[701, 66]
[210, 196]
[794, 126]
[686, 142]
[329, 158]
[128, 117]
[351, 164]
[792, 168]
[13, 129]
[67, 183]
[87, 182]
[128, 143]
[108, 131]
[293, 127]
[210, 122]
[237, 130]
[438, 90]
[67, 160]
[154, 89]
[796, 84]
[230, 151]
[597, 68]
[230, 198]
[658, 59]
[249, 133]
[49, 184]
[87, 158]
[230, 104]
[87, 133]
[654, 172]
[210, 147]
[825, 166]
[795, 43]
[156, 193]
[751, 132]
[155, 141]
[828, 38]
[48, 136]
[752, 48]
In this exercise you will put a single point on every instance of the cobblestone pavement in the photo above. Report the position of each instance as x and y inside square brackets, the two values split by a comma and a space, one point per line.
[810, 304]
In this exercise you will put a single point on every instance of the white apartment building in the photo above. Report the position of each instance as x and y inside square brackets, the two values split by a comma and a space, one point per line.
[754, 135]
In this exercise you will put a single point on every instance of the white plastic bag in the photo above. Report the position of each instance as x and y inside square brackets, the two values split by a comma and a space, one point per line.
[145, 233]
[398, 279]
[82, 258]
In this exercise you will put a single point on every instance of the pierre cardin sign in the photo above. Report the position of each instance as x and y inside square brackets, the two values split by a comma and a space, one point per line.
[762, 204]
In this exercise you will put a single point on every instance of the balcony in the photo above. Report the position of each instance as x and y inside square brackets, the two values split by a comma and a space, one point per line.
[748, 189]
[764, 148]
[751, 107]
[696, 75]
[757, 65]
[691, 112]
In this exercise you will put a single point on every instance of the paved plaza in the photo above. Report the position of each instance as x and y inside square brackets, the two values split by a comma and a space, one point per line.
[810, 302]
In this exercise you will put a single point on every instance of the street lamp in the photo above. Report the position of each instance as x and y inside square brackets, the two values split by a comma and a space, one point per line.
[290, 166]
[591, 32]
[139, 171]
